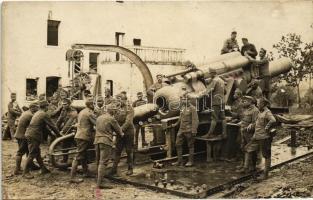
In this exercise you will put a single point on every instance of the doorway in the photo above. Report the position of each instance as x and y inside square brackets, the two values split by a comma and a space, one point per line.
[52, 84]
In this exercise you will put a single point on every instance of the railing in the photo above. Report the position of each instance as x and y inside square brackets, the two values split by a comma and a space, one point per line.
[155, 55]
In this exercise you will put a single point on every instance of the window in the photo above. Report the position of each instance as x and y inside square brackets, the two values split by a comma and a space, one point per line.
[109, 84]
[119, 39]
[31, 88]
[53, 32]
[136, 42]
[93, 61]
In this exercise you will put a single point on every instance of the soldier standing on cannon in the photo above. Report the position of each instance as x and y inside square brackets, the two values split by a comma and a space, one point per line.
[216, 90]
[262, 139]
[14, 111]
[34, 136]
[124, 117]
[84, 138]
[188, 121]
[105, 126]
[20, 137]
[140, 101]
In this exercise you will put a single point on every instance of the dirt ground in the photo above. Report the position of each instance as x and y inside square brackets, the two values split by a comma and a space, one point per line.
[56, 186]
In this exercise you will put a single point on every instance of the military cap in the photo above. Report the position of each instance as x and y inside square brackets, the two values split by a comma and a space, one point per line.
[100, 99]
[250, 98]
[43, 103]
[13, 94]
[123, 92]
[32, 105]
[244, 39]
[159, 75]
[139, 93]
[262, 49]
[263, 99]
[212, 71]
[234, 32]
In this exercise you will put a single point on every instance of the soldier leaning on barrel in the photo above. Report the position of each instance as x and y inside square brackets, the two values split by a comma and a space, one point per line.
[216, 90]
[247, 124]
[188, 121]
[84, 139]
[231, 44]
[263, 67]
[249, 50]
[20, 137]
[105, 126]
[14, 111]
[124, 117]
[34, 136]
[140, 101]
[262, 139]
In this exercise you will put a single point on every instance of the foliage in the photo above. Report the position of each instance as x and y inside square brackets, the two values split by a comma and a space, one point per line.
[283, 95]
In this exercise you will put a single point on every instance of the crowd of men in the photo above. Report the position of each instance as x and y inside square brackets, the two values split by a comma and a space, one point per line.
[106, 116]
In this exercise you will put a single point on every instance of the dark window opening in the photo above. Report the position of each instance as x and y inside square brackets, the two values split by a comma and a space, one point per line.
[77, 67]
[31, 88]
[136, 42]
[52, 84]
[53, 32]
[119, 38]
[93, 61]
[109, 84]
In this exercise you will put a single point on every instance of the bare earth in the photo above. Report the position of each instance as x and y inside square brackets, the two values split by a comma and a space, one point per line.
[293, 180]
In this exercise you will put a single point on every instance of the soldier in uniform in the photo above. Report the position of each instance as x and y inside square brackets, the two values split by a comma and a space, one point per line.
[140, 101]
[67, 118]
[249, 50]
[236, 108]
[14, 111]
[124, 117]
[108, 97]
[254, 90]
[249, 116]
[100, 108]
[105, 126]
[230, 45]
[156, 86]
[34, 136]
[84, 139]
[20, 136]
[262, 139]
[188, 121]
[216, 90]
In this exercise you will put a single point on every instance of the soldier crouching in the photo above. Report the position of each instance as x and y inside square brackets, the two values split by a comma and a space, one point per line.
[262, 140]
[124, 117]
[188, 121]
[84, 139]
[105, 126]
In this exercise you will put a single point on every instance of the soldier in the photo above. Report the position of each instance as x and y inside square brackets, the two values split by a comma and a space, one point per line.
[236, 108]
[188, 121]
[20, 137]
[14, 111]
[66, 119]
[230, 45]
[53, 108]
[124, 117]
[34, 136]
[262, 139]
[84, 138]
[140, 101]
[99, 109]
[156, 86]
[216, 90]
[254, 90]
[249, 116]
[105, 126]
[108, 97]
[264, 73]
[249, 50]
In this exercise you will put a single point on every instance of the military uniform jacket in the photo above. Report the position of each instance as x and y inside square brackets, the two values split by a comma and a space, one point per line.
[66, 118]
[105, 126]
[13, 111]
[124, 117]
[23, 124]
[237, 109]
[229, 44]
[188, 120]
[249, 116]
[264, 121]
[38, 124]
[86, 121]
[263, 65]
[217, 86]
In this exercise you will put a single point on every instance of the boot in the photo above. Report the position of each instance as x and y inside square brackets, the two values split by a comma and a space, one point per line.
[100, 184]
[266, 170]
[211, 130]
[129, 171]
[44, 170]
[26, 173]
[17, 170]
[86, 172]
[245, 169]
[130, 159]
[32, 166]
[179, 157]
[73, 173]
[190, 158]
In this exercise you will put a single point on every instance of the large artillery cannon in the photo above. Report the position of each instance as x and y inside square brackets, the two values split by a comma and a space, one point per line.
[164, 109]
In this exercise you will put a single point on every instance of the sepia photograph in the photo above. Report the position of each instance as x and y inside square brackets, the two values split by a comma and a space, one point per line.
[143, 99]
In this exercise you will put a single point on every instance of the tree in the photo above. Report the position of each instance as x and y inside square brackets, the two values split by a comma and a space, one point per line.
[292, 47]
